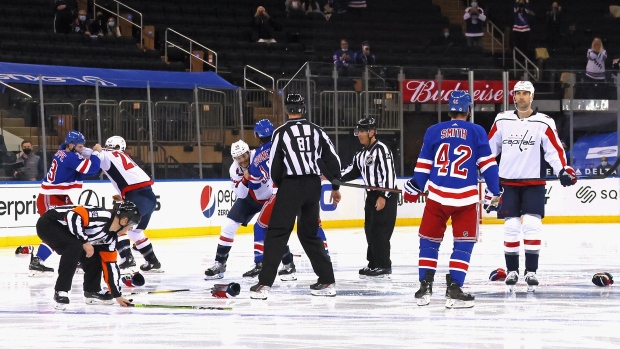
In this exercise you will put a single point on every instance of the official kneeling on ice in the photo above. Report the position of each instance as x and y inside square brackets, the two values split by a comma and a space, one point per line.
[88, 235]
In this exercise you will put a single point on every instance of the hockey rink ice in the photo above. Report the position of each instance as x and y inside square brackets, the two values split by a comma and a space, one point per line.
[566, 311]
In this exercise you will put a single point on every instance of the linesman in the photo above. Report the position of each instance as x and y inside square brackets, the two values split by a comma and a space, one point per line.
[375, 164]
[301, 152]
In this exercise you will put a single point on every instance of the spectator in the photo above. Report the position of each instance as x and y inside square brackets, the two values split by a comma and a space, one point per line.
[443, 43]
[4, 153]
[112, 28]
[293, 6]
[343, 58]
[603, 166]
[81, 24]
[263, 26]
[474, 18]
[33, 164]
[521, 27]
[99, 26]
[364, 56]
[555, 17]
[63, 15]
[595, 69]
[311, 6]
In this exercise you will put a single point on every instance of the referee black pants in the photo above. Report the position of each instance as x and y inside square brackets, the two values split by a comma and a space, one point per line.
[379, 226]
[296, 195]
[67, 245]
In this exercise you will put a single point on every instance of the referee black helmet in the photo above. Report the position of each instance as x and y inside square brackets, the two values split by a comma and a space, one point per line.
[295, 103]
[129, 210]
[366, 124]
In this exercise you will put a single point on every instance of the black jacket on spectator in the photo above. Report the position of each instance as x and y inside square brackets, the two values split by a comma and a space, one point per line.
[263, 27]
[63, 18]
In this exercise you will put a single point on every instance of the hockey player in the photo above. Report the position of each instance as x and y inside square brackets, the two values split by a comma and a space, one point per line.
[521, 136]
[66, 173]
[88, 235]
[131, 184]
[451, 155]
[259, 177]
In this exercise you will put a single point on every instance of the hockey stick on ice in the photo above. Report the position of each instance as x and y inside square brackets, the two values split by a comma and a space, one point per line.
[361, 186]
[165, 306]
[160, 291]
[607, 173]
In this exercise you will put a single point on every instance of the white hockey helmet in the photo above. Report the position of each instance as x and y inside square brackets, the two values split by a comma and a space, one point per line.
[524, 86]
[116, 141]
[239, 148]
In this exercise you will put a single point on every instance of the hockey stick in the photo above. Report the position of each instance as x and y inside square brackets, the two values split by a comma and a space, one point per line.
[368, 187]
[159, 291]
[164, 306]
[607, 173]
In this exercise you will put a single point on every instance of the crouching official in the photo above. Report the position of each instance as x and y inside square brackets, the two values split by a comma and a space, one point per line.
[87, 235]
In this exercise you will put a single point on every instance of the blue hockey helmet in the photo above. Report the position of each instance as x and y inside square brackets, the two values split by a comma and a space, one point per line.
[460, 101]
[263, 128]
[74, 137]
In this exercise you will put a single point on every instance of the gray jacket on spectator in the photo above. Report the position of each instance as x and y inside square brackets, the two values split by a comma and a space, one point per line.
[33, 167]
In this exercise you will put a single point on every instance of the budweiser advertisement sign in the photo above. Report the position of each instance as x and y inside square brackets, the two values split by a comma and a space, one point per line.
[425, 91]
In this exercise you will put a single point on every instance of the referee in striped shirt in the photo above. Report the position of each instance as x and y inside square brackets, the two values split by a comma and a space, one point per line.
[300, 153]
[375, 164]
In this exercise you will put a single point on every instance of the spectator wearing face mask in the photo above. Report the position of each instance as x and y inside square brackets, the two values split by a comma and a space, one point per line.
[113, 29]
[33, 165]
[603, 166]
[98, 26]
[81, 25]
[474, 19]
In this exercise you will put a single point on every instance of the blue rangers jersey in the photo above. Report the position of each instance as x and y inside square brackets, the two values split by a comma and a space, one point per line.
[67, 172]
[260, 181]
[451, 155]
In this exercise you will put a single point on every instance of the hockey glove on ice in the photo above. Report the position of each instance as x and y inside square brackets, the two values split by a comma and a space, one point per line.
[230, 290]
[492, 202]
[602, 279]
[567, 176]
[412, 192]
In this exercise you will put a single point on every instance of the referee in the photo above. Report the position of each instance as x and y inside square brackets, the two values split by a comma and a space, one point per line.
[300, 153]
[375, 164]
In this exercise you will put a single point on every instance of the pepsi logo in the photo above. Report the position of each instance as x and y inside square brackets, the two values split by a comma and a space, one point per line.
[207, 201]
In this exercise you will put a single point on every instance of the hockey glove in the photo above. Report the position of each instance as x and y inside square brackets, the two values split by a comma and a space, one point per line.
[602, 279]
[492, 202]
[230, 290]
[567, 176]
[412, 192]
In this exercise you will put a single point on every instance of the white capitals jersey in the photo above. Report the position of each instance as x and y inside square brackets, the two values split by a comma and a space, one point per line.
[240, 185]
[123, 172]
[519, 141]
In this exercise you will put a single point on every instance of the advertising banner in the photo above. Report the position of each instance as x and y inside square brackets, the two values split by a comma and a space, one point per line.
[426, 91]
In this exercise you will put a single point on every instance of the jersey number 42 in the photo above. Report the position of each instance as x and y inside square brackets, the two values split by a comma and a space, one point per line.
[452, 168]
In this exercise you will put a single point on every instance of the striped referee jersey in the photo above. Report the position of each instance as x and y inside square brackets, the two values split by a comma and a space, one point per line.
[301, 148]
[375, 165]
[92, 224]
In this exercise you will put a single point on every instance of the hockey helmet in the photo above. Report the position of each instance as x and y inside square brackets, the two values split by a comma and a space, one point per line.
[74, 137]
[263, 128]
[460, 101]
[524, 86]
[239, 148]
[295, 104]
[128, 209]
[365, 124]
[116, 141]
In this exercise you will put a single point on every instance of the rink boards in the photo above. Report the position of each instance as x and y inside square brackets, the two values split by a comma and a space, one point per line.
[197, 208]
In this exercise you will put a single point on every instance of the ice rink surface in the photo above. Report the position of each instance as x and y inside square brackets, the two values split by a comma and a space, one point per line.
[567, 310]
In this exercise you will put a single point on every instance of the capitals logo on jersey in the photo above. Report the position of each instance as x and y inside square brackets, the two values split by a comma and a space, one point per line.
[207, 201]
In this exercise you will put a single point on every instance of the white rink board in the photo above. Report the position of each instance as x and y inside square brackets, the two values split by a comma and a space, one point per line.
[180, 204]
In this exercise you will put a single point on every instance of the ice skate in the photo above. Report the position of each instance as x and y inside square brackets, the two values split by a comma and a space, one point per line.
[259, 291]
[324, 290]
[216, 271]
[252, 273]
[36, 268]
[364, 272]
[152, 266]
[379, 273]
[531, 280]
[287, 273]
[101, 297]
[423, 295]
[62, 299]
[456, 298]
[511, 280]
[128, 263]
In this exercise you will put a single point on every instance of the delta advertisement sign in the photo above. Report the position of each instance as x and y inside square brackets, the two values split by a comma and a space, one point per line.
[426, 91]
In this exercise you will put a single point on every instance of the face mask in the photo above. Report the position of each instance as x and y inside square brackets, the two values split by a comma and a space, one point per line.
[603, 163]
[27, 151]
[446, 34]
[82, 18]
[111, 24]
[474, 4]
